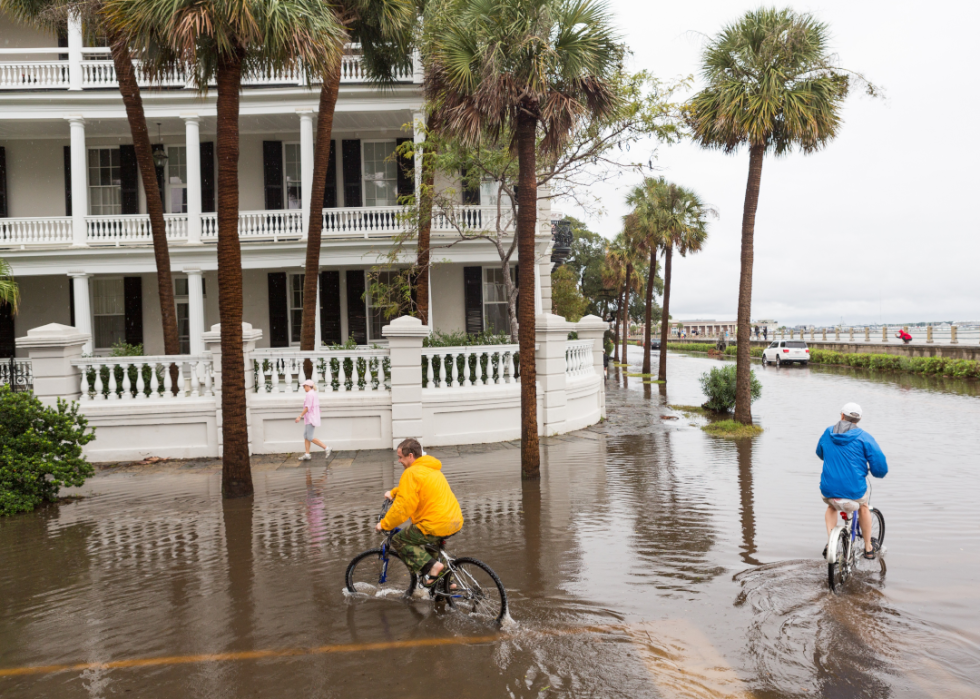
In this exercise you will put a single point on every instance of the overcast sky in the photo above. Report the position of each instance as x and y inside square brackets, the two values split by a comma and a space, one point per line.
[882, 224]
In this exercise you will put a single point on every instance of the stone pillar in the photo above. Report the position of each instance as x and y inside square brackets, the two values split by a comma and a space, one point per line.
[551, 335]
[884, 333]
[592, 328]
[195, 308]
[929, 333]
[51, 349]
[192, 136]
[83, 307]
[79, 182]
[850, 333]
[405, 335]
[306, 165]
[837, 333]
[538, 303]
[824, 331]
[952, 335]
[212, 344]
[75, 43]
[867, 334]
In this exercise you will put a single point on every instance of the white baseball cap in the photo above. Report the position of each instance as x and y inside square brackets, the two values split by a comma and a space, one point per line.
[852, 410]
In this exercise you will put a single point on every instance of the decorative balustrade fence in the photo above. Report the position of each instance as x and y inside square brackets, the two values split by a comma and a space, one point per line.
[17, 373]
[457, 367]
[339, 371]
[140, 378]
[33, 75]
[35, 231]
[579, 359]
[131, 229]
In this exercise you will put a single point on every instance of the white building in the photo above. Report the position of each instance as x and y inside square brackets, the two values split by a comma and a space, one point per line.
[75, 231]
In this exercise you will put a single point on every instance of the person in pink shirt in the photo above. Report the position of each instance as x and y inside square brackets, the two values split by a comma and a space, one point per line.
[311, 417]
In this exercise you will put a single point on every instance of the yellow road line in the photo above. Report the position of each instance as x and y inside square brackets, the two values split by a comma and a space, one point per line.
[291, 652]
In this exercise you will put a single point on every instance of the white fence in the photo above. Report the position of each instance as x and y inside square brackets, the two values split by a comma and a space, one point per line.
[55, 230]
[457, 367]
[282, 371]
[131, 229]
[578, 359]
[144, 378]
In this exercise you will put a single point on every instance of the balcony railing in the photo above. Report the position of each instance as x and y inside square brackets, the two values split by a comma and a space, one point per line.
[99, 72]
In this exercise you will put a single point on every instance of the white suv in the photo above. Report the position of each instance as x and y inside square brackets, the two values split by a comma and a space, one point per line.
[786, 352]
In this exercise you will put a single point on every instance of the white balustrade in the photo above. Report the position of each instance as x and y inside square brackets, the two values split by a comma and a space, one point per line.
[122, 230]
[143, 378]
[578, 358]
[364, 221]
[33, 75]
[269, 224]
[35, 231]
[334, 371]
[458, 367]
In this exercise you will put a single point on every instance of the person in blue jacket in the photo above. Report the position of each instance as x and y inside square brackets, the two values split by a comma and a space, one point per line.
[847, 452]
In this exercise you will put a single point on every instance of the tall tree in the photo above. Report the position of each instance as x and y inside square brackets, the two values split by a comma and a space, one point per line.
[524, 66]
[220, 41]
[52, 14]
[772, 85]
[650, 241]
[383, 30]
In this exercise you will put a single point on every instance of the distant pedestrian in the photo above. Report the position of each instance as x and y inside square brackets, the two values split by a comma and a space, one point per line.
[903, 336]
[765, 333]
[311, 418]
[756, 332]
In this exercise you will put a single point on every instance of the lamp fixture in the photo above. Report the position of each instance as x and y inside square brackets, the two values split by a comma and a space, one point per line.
[160, 153]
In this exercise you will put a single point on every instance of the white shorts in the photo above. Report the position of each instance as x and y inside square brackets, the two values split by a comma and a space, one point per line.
[845, 505]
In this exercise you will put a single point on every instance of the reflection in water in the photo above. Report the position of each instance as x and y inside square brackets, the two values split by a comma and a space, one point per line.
[747, 497]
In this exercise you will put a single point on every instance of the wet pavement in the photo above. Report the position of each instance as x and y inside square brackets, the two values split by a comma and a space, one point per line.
[651, 560]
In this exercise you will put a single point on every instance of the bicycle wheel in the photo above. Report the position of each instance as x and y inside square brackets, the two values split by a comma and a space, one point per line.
[478, 591]
[837, 571]
[370, 575]
[877, 528]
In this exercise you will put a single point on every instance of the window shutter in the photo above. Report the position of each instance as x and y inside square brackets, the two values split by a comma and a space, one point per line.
[207, 176]
[129, 176]
[330, 307]
[473, 298]
[7, 344]
[161, 176]
[272, 175]
[67, 180]
[278, 310]
[133, 289]
[471, 195]
[406, 175]
[71, 302]
[356, 312]
[351, 152]
[62, 41]
[330, 190]
[3, 183]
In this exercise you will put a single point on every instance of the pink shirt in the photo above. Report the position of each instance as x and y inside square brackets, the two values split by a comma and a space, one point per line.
[312, 403]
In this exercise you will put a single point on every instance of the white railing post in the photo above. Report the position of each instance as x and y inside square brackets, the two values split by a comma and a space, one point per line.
[212, 344]
[51, 349]
[405, 335]
[551, 336]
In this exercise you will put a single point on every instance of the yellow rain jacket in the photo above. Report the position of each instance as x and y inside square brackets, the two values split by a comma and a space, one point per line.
[423, 495]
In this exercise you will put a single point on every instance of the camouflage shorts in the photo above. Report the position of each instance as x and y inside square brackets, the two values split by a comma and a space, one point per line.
[410, 542]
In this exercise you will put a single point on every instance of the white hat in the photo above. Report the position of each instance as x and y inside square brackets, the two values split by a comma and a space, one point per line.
[309, 383]
[852, 410]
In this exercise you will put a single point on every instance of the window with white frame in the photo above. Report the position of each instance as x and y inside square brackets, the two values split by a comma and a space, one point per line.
[495, 318]
[490, 192]
[376, 316]
[380, 173]
[293, 167]
[182, 301]
[104, 182]
[177, 179]
[108, 312]
[296, 307]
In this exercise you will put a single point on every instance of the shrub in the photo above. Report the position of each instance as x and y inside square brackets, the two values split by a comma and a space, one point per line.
[461, 339]
[40, 450]
[719, 386]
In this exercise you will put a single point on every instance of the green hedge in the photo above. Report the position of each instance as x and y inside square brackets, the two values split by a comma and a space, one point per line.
[925, 366]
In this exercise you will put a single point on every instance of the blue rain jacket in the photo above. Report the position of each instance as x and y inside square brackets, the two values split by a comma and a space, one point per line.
[846, 458]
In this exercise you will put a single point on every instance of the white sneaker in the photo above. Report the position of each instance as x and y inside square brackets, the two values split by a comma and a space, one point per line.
[327, 452]
[305, 457]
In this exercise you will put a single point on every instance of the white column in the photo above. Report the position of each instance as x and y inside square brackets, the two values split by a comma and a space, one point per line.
[195, 308]
[405, 335]
[79, 181]
[74, 51]
[306, 165]
[83, 307]
[192, 138]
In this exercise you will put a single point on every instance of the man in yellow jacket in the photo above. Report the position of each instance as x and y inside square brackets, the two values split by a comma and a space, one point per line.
[424, 496]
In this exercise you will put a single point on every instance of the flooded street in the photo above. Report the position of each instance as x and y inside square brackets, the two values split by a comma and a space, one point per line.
[651, 560]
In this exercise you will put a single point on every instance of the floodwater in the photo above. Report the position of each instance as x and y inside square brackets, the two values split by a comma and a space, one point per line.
[651, 560]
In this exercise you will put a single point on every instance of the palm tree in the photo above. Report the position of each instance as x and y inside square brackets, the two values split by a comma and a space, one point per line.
[220, 40]
[772, 84]
[531, 68]
[9, 291]
[49, 14]
[383, 28]
[650, 241]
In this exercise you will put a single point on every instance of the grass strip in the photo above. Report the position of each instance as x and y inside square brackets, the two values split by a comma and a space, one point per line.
[731, 429]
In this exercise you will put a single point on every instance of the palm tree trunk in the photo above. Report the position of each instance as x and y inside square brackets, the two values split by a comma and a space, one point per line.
[649, 314]
[236, 472]
[665, 315]
[743, 367]
[619, 324]
[130, 91]
[321, 159]
[527, 207]
[626, 312]
[425, 225]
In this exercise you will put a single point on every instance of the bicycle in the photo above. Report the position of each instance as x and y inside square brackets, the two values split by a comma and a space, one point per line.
[470, 586]
[842, 553]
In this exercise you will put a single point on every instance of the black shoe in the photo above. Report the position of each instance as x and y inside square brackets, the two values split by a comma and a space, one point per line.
[870, 555]
[824, 554]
